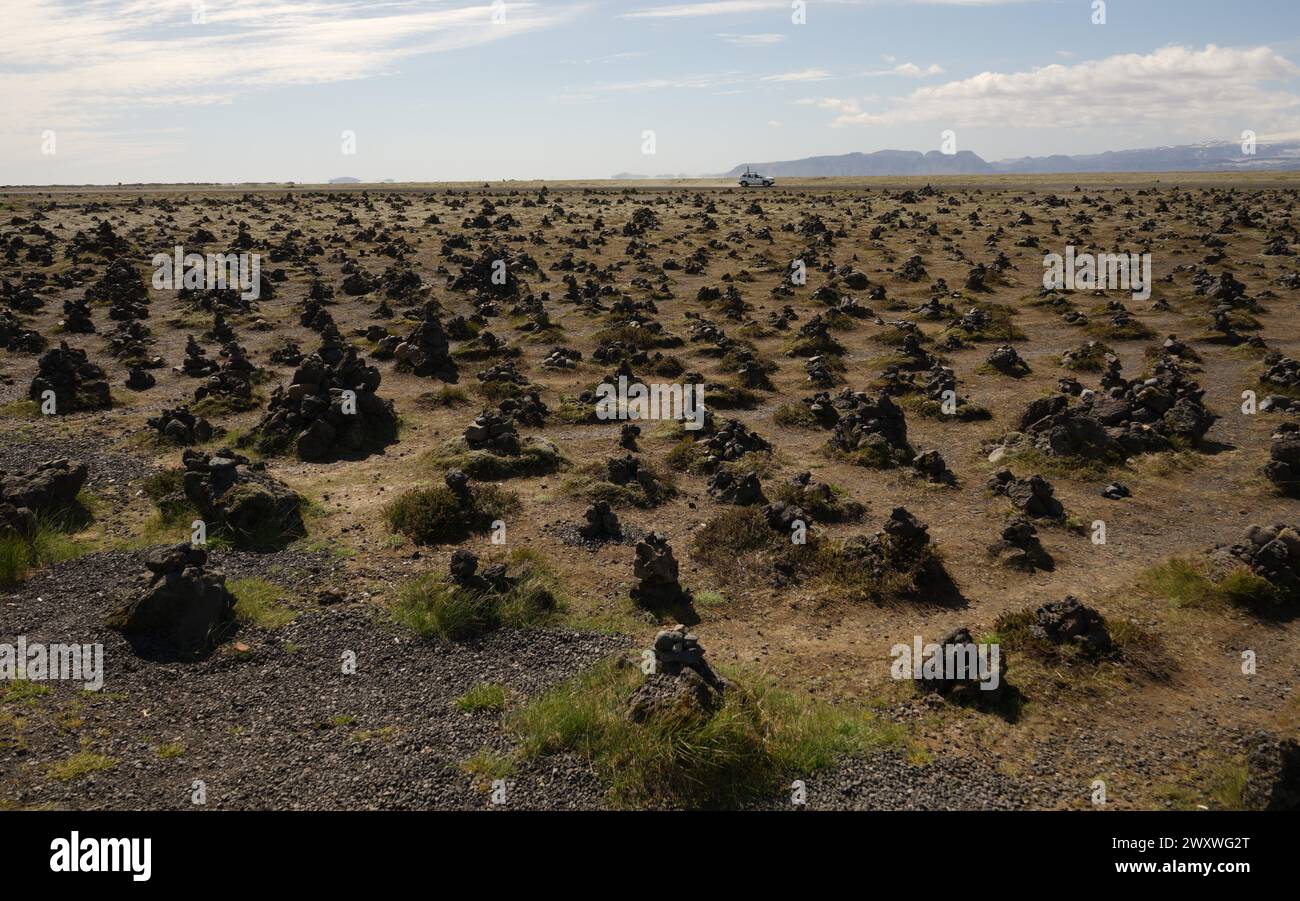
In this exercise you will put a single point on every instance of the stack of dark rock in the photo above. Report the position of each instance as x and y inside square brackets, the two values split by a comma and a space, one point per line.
[1270, 552]
[822, 409]
[1141, 416]
[493, 431]
[1283, 466]
[960, 645]
[123, 288]
[878, 427]
[656, 571]
[314, 417]
[463, 571]
[16, 337]
[181, 426]
[46, 488]
[1272, 773]
[1069, 622]
[730, 442]
[182, 610]
[681, 682]
[227, 492]
[562, 358]
[601, 523]
[76, 317]
[425, 351]
[931, 466]
[77, 383]
[904, 542]
[741, 489]
[233, 378]
[196, 363]
[1018, 546]
[1006, 360]
[1034, 496]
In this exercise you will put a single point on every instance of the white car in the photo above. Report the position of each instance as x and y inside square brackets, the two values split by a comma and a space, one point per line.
[751, 179]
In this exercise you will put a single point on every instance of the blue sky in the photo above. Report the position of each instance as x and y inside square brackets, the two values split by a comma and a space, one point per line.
[263, 90]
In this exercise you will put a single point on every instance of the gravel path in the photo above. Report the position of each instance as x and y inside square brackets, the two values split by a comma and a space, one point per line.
[888, 781]
[280, 725]
[271, 721]
[111, 471]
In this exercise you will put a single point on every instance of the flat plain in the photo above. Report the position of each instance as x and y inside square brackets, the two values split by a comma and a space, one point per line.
[912, 289]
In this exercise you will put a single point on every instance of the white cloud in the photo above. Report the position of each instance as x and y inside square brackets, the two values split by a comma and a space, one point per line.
[912, 70]
[691, 82]
[1171, 86]
[837, 104]
[84, 65]
[708, 81]
[905, 70]
[718, 83]
[802, 75]
[611, 58]
[971, 2]
[753, 40]
[713, 8]
[737, 7]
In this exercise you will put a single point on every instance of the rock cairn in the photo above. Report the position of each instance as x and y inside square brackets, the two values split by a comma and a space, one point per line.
[184, 608]
[77, 383]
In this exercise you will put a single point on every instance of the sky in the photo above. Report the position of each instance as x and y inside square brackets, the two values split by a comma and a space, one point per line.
[107, 91]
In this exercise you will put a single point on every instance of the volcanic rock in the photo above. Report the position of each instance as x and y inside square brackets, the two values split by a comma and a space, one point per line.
[656, 569]
[183, 611]
[315, 417]
[601, 523]
[1069, 621]
[740, 489]
[227, 494]
[77, 383]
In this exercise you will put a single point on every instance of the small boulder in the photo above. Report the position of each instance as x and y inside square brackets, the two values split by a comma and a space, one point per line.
[1069, 622]
[183, 611]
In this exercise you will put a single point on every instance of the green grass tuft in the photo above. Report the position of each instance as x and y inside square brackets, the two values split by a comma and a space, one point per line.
[487, 766]
[536, 458]
[1190, 583]
[486, 697]
[591, 483]
[260, 603]
[437, 515]
[22, 691]
[79, 765]
[434, 608]
[49, 542]
[795, 416]
[758, 738]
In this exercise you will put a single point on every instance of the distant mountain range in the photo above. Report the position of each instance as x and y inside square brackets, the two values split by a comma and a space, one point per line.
[882, 162]
[1216, 157]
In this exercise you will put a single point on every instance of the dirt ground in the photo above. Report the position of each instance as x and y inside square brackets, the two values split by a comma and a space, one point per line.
[1155, 743]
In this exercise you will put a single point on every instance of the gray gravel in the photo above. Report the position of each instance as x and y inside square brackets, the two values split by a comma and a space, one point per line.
[887, 781]
[109, 470]
[270, 721]
[281, 726]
